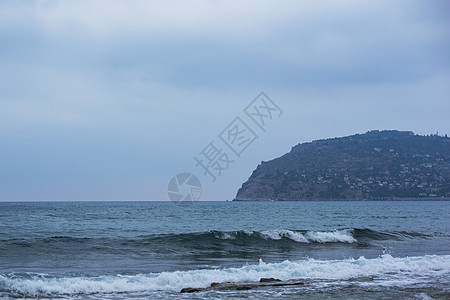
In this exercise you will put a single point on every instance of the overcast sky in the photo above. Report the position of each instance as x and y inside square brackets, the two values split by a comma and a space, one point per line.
[107, 100]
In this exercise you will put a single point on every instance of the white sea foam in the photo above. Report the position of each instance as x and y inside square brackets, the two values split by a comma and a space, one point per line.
[279, 234]
[225, 235]
[343, 236]
[385, 269]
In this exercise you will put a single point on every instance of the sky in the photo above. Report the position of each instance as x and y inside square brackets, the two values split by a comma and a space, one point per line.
[109, 100]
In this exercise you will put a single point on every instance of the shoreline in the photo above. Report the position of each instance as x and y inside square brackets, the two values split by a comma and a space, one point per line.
[380, 199]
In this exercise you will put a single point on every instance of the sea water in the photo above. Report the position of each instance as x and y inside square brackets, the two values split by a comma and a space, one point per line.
[121, 250]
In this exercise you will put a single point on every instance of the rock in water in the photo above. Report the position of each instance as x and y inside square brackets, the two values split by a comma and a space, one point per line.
[264, 280]
[191, 290]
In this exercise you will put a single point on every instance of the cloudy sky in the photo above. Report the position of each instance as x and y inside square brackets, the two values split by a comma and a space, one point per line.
[107, 100]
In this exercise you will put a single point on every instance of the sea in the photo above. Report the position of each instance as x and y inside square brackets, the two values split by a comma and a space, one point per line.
[154, 250]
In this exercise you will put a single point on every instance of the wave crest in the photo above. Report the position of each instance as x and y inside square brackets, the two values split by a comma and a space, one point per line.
[336, 236]
[394, 271]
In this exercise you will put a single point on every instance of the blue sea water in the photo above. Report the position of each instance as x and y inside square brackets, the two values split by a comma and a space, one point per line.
[121, 250]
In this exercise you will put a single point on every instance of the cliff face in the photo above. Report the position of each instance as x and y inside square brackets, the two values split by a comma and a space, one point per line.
[378, 164]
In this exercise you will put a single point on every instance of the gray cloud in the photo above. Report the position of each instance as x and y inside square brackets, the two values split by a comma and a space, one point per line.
[106, 100]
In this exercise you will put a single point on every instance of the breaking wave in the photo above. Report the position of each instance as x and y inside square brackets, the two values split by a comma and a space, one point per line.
[385, 270]
[337, 236]
[232, 238]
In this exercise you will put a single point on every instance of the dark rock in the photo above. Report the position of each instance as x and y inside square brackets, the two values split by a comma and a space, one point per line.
[243, 287]
[231, 286]
[263, 280]
[361, 279]
[215, 284]
[228, 286]
[288, 283]
[191, 290]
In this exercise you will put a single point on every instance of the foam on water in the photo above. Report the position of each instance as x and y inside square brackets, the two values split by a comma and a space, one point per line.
[343, 236]
[336, 236]
[279, 234]
[385, 270]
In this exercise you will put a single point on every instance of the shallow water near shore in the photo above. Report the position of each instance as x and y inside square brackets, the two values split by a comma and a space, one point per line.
[120, 250]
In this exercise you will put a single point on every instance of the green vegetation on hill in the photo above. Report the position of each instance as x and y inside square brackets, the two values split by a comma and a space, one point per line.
[375, 165]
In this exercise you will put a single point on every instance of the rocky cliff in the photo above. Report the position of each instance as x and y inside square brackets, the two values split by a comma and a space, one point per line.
[374, 165]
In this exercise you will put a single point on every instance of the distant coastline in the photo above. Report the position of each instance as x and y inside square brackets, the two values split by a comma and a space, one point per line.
[375, 166]
[348, 200]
